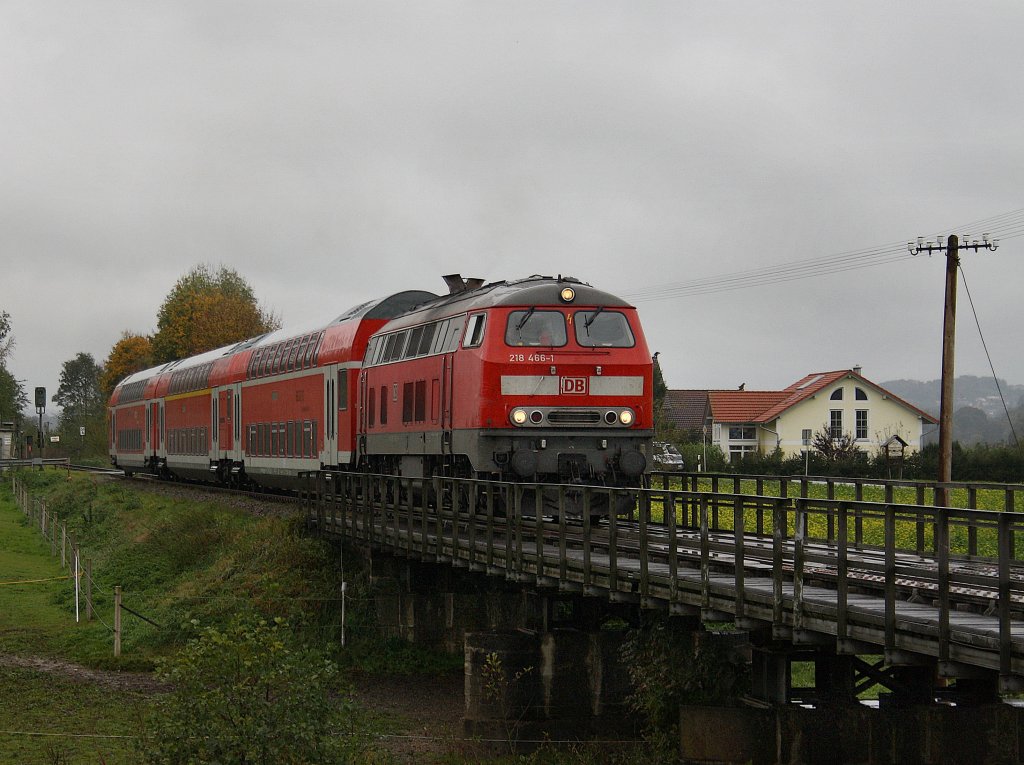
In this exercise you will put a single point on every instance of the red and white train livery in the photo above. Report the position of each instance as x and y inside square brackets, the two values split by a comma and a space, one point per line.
[542, 379]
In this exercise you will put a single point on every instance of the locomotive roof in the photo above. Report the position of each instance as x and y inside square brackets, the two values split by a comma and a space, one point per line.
[533, 291]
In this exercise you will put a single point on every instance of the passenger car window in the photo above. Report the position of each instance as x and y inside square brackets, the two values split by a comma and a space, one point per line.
[533, 327]
[605, 329]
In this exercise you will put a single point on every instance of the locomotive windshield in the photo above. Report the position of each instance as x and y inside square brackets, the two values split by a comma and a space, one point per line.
[533, 327]
[601, 328]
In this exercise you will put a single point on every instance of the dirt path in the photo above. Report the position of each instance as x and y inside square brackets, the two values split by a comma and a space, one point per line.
[139, 682]
[426, 712]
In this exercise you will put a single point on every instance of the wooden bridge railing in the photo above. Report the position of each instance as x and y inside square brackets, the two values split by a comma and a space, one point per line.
[794, 563]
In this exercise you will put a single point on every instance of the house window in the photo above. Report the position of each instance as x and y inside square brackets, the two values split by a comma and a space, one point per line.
[836, 423]
[742, 433]
[737, 453]
[860, 394]
[837, 395]
[862, 423]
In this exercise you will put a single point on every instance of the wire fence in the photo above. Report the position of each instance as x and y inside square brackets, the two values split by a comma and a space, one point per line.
[91, 599]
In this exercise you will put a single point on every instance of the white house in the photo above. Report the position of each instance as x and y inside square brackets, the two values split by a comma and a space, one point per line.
[843, 401]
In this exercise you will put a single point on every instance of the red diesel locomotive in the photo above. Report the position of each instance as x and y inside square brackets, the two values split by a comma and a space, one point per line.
[543, 379]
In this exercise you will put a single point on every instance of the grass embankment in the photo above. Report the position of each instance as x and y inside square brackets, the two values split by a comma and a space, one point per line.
[178, 561]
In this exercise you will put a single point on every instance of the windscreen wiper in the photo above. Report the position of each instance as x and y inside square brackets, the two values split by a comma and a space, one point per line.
[588, 322]
[526, 318]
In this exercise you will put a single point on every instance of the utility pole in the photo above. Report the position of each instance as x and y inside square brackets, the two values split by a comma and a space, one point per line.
[952, 249]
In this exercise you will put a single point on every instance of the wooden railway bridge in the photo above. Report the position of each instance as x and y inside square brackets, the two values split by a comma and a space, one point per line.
[926, 601]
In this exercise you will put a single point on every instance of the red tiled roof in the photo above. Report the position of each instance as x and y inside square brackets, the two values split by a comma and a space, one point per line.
[764, 406]
[742, 405]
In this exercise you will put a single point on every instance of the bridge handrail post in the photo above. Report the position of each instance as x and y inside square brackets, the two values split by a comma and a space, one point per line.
[538, 514]
[705, 554]
[410, 512]
[563, 563]
[842, 570]
[613, 543]
[472, 504]
[1009, 507]
[778, 545]
[644, 508]
[457, 489]
[972, 530]
[396, 508]
[439, 514]
[317, 499]
[587, 524]
[830, 514]
[942, 550]
[759, 490]
[739, 534]
[1005, 521]
[799, 534]
[890, 576]
[490, 488]
[343, 495]
[858, 516]
[673, 546]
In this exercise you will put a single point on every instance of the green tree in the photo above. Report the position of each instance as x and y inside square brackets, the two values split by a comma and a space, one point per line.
[81, 401]
[245, 695]
[208, 309]
[6, 341]
[13, 398]
[660, 391]
[132, 353]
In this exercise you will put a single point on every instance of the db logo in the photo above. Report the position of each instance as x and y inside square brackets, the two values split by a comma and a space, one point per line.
[574, 385]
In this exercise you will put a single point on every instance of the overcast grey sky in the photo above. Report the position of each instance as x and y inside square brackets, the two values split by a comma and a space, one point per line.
[332, 152]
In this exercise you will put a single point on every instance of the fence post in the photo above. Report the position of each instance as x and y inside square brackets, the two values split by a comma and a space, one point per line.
[53, 535]
[117, 621]
[88, 589]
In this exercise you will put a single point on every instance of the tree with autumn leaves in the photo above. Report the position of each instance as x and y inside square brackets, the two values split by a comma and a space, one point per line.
[205, 309]
[208, 309]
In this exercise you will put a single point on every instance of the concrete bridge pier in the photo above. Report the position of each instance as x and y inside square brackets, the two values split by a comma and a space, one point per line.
[523, 687]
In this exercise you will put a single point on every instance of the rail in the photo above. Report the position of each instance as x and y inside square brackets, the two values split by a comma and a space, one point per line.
[943, 582]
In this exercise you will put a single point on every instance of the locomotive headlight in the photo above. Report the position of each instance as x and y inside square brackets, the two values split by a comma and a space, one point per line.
[518, 416]
[626, 416]
[568, 294]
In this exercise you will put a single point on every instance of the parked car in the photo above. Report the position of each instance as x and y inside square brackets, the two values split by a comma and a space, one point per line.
[667, 457]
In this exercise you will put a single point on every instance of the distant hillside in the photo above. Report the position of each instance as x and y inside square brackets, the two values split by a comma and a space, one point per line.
[968, 390]
[978, 415]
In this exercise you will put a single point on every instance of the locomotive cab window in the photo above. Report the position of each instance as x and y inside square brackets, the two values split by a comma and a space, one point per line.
[603, 329]
[535, 328]
[474, 331]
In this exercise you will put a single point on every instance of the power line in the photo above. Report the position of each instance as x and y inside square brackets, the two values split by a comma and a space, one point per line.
[1004, 226]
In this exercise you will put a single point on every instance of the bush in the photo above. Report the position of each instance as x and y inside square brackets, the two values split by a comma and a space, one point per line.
[247, 695]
